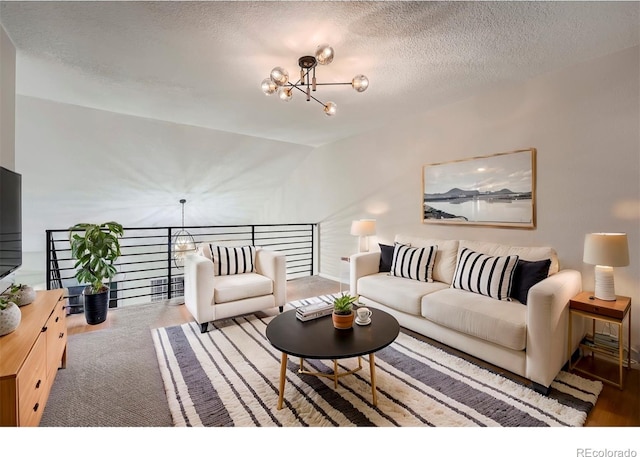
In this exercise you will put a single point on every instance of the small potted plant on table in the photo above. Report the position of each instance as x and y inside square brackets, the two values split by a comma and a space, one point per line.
[22, 294]
[95, 247]
[10, 315]
[343, 314]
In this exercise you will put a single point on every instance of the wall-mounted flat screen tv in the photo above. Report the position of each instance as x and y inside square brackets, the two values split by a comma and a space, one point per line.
[10, 221]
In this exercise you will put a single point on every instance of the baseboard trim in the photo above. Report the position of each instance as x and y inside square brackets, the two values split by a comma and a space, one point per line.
[326, 276]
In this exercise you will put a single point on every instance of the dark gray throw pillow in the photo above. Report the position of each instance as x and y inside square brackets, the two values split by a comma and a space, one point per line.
[386, 257]
[526, 275]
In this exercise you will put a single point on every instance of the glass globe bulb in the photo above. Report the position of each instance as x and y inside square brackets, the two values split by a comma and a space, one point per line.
[182, 245]
[268, 86]
[324, 54]
[360, 83]
[330, 108]
[285, 94]
[280, 76]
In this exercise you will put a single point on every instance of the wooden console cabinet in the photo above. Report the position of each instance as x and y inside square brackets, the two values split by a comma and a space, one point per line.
[30, 357]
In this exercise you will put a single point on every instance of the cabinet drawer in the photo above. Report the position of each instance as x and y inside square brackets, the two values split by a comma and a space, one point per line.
[32, 384]
[56, 339]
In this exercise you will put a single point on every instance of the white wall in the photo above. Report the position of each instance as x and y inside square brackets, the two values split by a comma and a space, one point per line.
[7, 100]
[7, 114]
[584, 122]
[85, 165]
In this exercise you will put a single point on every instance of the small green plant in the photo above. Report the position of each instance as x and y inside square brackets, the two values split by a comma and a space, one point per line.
[343, 304]
[11, 295]
[15, 288]
[21, 294]
[95, 247]
[4, 301]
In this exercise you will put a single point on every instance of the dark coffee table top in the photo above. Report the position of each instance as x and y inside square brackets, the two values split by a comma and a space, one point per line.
[318, 339]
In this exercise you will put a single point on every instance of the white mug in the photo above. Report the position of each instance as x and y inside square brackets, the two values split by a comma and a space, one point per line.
[363, 314]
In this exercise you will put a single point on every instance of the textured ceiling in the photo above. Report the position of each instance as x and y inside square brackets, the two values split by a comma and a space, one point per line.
[201, 63]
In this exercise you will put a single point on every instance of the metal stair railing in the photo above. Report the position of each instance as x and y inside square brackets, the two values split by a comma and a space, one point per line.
[147, 273]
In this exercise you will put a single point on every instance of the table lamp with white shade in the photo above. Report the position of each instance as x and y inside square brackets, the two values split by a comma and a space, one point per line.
[363, 228]
[605, 251]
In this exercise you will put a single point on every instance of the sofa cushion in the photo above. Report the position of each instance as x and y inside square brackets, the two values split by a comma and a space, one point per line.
[523, 252]
[386, 257]
[445, 263]
[484, 274]
[229, 288]
[497, 321]
[413, 263]
[233, 260]
[526, 275]
[401, 294]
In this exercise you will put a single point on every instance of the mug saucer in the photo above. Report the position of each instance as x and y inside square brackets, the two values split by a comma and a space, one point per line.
[367, 322]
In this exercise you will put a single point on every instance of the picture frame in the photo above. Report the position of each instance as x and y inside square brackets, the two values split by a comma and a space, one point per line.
[497, 190]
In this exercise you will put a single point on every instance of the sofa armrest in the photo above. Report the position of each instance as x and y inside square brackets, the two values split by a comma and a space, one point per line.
[547, 325]
[362, 264]
[198, 287]
[273, 265]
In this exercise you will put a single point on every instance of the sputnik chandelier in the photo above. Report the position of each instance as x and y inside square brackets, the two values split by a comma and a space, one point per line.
[183, 243]
[278, 81]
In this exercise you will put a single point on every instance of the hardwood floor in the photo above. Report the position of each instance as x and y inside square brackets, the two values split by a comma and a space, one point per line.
[615, 407]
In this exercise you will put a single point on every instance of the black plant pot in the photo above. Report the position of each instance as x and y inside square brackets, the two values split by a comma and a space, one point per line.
[96, 306]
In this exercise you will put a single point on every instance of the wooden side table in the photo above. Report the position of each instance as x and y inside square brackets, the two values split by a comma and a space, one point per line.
[613, 312]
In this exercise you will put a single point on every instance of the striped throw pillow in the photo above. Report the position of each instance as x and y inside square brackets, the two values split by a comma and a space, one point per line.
[484, 274]
[233, 260]
[413, 263]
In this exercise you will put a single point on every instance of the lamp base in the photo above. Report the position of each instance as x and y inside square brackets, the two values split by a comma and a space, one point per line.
[363, 245]
[604, 288]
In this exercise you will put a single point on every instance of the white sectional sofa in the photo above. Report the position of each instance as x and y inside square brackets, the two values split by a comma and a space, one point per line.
[528, 339]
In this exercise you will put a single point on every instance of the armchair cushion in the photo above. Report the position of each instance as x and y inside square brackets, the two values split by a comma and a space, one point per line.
[240, 286]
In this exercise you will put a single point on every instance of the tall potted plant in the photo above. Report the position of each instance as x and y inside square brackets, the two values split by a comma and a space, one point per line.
[95, 247]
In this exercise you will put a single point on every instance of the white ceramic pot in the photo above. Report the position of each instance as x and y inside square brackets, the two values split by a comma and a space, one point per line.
[25, 296]
[9, 318]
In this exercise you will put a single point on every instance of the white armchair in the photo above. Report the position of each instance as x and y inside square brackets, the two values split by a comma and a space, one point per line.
[210, 297]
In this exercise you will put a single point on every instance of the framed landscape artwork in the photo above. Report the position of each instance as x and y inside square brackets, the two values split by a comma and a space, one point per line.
[495, 190]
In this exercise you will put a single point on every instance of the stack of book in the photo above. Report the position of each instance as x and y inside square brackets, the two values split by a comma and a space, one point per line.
[603, 344]
[607, 341]
[314, 311]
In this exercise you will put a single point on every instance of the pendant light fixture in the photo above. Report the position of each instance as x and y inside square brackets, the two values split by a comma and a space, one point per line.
[278, 81]
[183, 243]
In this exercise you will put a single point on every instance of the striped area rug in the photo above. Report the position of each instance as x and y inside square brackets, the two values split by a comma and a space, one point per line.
[229, 377]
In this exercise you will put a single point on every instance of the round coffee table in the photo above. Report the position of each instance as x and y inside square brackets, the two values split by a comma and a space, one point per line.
[318, 339]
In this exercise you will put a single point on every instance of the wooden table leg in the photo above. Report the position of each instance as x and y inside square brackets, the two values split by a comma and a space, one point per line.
[283, 378]
[628, 343]
[621, 352]
[570, 342]
[335, 373]
[372, 370]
